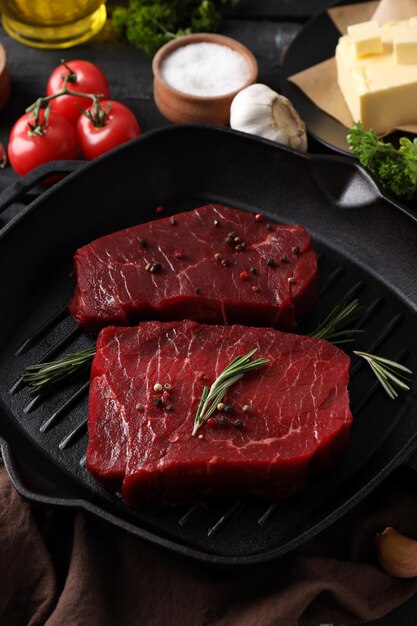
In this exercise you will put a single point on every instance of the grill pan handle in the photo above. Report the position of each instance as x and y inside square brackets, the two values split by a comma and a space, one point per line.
[15, 191]
[345, 182]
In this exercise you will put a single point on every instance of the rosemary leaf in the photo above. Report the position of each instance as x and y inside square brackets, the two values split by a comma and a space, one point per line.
[43, 375]
[393, 376]
[335, 327]
[388, 374]
[388, 388]
[391, 364]
[229, 376]
[202, 400]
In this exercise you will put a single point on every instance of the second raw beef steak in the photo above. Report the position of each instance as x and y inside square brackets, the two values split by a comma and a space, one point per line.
[146, 386]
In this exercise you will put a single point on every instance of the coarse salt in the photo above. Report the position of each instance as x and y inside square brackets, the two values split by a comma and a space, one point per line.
[205, 69]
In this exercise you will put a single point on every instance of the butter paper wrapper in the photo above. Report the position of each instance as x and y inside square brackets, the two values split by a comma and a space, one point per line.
[319, 83]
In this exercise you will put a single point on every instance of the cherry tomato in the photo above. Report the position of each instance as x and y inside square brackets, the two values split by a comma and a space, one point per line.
[86, 78]
[27, 150]
[120, 125]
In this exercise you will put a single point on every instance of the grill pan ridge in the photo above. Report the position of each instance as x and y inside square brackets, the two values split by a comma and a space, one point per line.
[366, 246]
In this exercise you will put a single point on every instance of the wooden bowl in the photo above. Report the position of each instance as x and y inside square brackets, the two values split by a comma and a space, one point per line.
[4, 78]
[181, 107]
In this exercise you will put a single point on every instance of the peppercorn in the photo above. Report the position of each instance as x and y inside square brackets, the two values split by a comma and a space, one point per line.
[143, 243]
[167, 386]
[238, 424]
[220, 406]
[270, 262]
[253, 270]
[259, 217]
[157, 387]
[169, 407]
[243, 276]
[173, 221]
[197, 290]
[153, 267]
[246, 408]
[296, 250]
[291, 279]
[218, 256]
[223, 420]
[216, 222]
[158, 402]
[228, 408]
[225, 263]
[255, 288]
[178, 254]
[284, 258]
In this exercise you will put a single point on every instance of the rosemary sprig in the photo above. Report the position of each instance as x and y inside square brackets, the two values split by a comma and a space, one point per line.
[230, 375]
[390, 374]
[335, 327]
[41, 376]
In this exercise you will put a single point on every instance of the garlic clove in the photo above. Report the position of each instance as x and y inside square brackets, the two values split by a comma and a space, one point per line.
[259, 110]
[397, 553]
[286, 119]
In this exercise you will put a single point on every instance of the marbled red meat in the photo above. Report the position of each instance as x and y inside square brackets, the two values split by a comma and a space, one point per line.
[188, 267]
[298, 422]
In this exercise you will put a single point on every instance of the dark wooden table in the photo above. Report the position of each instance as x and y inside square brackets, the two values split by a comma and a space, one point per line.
[267, 27]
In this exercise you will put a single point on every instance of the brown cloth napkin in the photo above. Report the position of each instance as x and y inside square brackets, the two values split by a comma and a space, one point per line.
[60, 567]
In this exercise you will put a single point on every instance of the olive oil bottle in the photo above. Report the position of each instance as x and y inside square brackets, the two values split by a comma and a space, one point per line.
[52, 23]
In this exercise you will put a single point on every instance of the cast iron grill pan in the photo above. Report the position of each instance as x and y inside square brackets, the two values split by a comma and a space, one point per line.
[366, 247]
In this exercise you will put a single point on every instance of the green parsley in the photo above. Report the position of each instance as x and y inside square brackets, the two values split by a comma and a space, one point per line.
[396, 169]
[149, 24]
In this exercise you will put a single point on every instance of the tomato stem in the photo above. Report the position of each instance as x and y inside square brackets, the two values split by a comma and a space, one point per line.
[71, 77]
[38, 128]
[97, 115]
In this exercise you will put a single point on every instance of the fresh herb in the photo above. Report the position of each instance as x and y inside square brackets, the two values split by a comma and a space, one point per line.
[396, 169]
[149, 24]
[335, 327]
[43, 375]
[390, 374]
[230, 375]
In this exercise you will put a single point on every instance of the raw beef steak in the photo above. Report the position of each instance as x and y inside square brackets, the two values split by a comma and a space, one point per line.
[215, 265]
[297, 425]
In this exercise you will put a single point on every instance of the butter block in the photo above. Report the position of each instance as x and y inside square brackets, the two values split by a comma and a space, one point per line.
[405, 44]
[379, 92]
[366, 38]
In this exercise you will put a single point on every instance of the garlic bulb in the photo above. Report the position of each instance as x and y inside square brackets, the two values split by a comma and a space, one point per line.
[397, 553]
[259, 110]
